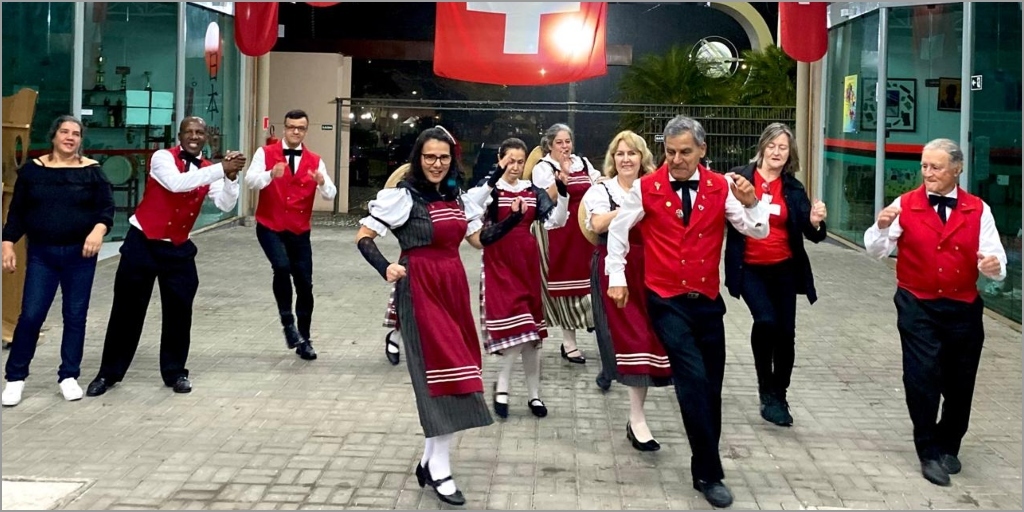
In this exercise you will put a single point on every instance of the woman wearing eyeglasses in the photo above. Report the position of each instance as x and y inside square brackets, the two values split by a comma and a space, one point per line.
[769, 273]
[430, 218]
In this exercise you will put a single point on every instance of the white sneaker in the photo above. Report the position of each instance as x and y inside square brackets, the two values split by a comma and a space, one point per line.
[71, 390]
[12, 393]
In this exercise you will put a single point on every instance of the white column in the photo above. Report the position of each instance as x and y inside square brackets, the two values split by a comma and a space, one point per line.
[966, 69]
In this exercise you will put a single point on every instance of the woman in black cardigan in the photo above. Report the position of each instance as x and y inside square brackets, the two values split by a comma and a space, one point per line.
[768, 274]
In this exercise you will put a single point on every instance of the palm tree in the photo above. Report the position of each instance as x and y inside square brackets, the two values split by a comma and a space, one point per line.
[770, 79]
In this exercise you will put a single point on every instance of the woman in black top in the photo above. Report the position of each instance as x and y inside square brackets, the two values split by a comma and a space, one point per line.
[64, 204]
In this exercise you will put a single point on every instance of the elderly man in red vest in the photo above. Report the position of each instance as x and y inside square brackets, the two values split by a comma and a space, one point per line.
[681, 210]
[288, 175]
[157, 247]
[946, 237]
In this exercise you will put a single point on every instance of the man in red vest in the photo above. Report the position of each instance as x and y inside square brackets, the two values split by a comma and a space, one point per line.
[681, 210]
[288, 175]
[946, 237]
[157, 247]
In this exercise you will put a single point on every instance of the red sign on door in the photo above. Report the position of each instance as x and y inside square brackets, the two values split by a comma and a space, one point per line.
[266, 122]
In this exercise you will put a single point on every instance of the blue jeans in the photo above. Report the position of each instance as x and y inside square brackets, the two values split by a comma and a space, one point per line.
[49, 266]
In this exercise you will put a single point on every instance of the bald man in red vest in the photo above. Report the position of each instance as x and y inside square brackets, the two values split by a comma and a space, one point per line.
[946, 238]
[157, 247]
[288, 176]
[681, 210]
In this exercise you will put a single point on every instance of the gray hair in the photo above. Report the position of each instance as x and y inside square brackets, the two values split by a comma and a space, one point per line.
[772, 132]
[682, 124]
[956, 155]
[551, 133]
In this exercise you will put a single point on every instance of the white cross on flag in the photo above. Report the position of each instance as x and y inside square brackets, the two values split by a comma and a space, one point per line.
[520, 43]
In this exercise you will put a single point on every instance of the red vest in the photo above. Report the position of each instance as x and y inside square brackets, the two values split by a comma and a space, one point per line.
[937, 260]
[681, 259]
[170, 215]
[286, 204]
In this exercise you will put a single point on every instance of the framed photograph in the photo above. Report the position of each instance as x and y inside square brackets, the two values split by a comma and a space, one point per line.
[900, 105]
[949, 94]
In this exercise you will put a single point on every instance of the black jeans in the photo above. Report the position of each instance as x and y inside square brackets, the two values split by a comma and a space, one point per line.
[693, 334]
[48, 267]
[143, 262]
[942, 341]
[291, 259]
[770, 293]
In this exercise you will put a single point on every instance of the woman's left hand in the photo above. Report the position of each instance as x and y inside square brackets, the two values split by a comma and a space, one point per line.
[92, 245]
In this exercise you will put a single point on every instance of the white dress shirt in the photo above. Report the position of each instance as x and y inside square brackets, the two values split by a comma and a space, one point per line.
[879, 243]
[556, 219]
[257, 176]
[752, 222]
[164, 170]
[544, 177]
[394, 205]
[596, 201]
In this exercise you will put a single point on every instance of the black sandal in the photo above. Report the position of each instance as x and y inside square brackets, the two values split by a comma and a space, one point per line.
[539, 410]
[393, 357]
[501, 409]
[573, 359]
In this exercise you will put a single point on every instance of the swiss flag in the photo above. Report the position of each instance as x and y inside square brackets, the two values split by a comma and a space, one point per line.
[521, 43]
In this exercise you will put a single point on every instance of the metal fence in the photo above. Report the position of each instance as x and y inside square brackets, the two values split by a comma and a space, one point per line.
[383, 129]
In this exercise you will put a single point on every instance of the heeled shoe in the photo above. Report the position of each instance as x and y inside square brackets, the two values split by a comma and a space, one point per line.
[646, 446]
[603, 382]
[573, 359]
[421, 475]
[393, 357]
[501, 409]
[455, 498]
[539, 410]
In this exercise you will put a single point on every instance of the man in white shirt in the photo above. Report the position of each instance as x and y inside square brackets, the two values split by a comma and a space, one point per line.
[946, 237]
[681, 210]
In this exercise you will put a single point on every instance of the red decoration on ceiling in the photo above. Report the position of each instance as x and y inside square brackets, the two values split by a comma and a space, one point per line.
[255, 27]
[803, 32]
[323, 4]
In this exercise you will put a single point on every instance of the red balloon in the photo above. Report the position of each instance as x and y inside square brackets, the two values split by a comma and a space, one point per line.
[323, 4]
[803, 31]
[255, 27]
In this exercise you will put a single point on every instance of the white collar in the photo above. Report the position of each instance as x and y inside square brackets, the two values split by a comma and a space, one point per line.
[951, 194]
[520, 185]
[285, 146]
[694, 177]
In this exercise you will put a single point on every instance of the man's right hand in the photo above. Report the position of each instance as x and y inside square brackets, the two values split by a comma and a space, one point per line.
[887, 216]
[278, 170]
[619, 295]
[9, 258]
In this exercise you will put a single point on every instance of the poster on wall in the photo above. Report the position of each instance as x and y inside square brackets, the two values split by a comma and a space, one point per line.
[850, 104]
[900, 105]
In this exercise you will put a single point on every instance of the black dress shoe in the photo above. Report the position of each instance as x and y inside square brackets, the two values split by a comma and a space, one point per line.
[421, 475]
[305, 351]
[291, 336]
[97, 387]
[950, 463]
[393, 357]
[935, 473]
[501, 409]
[774, 410]
[603, 382]
[579, 359]
[182, 385]
[538, 408]
[455, 498]
[716, 493]
[646, 446]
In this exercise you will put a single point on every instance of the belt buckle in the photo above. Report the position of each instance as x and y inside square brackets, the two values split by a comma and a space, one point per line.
[692, 295]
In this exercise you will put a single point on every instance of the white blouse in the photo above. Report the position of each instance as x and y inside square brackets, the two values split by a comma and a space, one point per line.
[393, 206]
[558, 217]
[544, 177]
[596, 199]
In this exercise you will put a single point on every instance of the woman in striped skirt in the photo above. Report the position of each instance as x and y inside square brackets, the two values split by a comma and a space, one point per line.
[630, 351]
[430, 218]
[511, 308]
[566, 253]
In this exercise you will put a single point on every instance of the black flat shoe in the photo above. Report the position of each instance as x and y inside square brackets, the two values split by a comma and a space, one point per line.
[603, 382]
[538, 408]
[455, 498]
[932, 471]
[97, 387]
[573, 359]
[305, 351]
[421, 475]
[501, 409]
[292, 338]
[646, 446]
[950, 463]
[716, 493]
[393, 357]
[182, 385]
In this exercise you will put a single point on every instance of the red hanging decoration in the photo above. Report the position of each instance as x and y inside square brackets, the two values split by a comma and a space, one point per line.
[803, 30]
[323, 4]
[255, 27]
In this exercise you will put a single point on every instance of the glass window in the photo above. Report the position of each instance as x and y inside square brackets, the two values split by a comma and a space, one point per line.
[995, 160]
[849, 171]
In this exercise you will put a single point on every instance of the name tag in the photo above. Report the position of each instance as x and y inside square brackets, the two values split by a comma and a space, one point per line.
[773, 209]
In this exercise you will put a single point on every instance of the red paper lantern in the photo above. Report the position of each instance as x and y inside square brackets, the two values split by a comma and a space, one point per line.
[213, 50]
[803, 30]
[255, 27]
[323, 4]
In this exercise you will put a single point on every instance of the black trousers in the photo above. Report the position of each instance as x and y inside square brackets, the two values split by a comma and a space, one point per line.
[770, 293]
[942, 341]
[144, 262]
[291, 259]
[693, 334]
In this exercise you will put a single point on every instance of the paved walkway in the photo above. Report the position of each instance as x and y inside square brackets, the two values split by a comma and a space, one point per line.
[264, 429]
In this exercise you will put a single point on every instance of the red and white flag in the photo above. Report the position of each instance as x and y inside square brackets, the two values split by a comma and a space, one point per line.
[520, 43]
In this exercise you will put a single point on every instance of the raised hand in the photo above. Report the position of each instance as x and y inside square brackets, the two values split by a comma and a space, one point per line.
[319, 178]
[989, 266]
[818, 213]
[742, 189]
[278, 170]
[518, 205]
[887, 216]
[232, 164]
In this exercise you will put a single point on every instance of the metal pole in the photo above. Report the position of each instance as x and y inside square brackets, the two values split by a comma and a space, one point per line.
[966, 68]
[880, 87]
[337, 151]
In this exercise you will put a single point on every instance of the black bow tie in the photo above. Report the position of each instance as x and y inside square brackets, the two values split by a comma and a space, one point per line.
[189, 159]
[291, 154]
[691, 184]
[943, 203]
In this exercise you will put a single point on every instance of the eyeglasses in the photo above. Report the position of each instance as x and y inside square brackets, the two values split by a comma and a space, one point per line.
[295, 128]
[433, 159]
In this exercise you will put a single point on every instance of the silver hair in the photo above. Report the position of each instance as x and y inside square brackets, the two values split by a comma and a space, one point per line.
[551, 133]
[956, 155]
[682, 124]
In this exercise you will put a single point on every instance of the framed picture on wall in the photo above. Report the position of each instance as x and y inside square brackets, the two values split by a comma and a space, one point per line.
[900, 105]
[949, 94]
